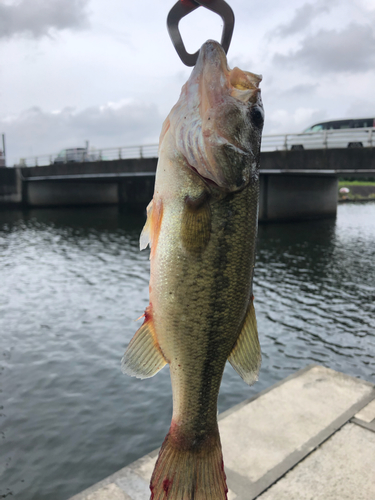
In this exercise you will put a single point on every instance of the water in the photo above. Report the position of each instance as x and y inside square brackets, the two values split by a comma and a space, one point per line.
[72, 283]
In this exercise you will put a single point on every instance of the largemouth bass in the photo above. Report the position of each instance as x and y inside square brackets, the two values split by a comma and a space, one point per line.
[201, 227]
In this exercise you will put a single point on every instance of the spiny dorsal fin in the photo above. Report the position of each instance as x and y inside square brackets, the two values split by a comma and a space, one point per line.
[145, 238]
[151, 229]
[164, 129]
[246, 356]
[143, 357]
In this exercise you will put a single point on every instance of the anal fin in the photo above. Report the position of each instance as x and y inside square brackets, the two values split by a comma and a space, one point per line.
[143, 358]
[246, 357]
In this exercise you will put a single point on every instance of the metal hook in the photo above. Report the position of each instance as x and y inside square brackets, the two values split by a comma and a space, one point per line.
[182, 8]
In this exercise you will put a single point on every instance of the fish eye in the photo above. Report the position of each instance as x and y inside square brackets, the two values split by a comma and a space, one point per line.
[257, 116]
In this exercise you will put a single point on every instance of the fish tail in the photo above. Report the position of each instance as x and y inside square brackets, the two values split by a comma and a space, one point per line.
[185, 473]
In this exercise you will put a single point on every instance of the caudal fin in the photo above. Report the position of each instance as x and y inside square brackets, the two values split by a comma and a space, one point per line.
[189, 474]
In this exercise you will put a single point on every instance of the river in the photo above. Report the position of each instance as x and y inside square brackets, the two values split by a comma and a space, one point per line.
[72, 282]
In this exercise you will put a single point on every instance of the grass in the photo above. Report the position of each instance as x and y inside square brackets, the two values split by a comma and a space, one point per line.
[355, 183]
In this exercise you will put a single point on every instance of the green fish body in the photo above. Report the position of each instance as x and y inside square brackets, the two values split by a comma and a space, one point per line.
[201, 227]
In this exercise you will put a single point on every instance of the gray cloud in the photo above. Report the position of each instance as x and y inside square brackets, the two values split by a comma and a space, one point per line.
[350, 50]
[293, 120]
[291, 98]
[36, 18]
[301, 90]
[36, 132]
[302, 19]
[361, 107]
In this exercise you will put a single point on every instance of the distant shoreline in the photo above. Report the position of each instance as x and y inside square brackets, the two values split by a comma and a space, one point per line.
[358, 191]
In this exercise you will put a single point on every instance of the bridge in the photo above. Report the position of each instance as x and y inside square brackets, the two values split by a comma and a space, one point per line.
[327, 139]
[295, 183]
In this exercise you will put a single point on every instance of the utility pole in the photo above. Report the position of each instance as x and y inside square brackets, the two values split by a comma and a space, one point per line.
[86, 157]
[4, 155]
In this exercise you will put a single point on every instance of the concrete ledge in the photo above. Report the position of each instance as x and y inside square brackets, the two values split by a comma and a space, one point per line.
[341, 469]
[273, 443]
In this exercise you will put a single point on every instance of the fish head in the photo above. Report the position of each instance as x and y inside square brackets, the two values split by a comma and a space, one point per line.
[218, 121]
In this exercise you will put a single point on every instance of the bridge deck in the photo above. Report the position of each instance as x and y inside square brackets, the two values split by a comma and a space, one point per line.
[299, 184]
[124, 175]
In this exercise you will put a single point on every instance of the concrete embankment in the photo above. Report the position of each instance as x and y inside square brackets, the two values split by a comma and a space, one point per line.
[311, 436]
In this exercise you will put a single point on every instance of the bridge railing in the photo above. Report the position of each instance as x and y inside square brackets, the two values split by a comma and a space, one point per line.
[104, 154]
[343, 138]
[360, 137]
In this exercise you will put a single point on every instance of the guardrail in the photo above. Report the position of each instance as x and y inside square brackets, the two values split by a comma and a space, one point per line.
[360, 137]
[343, 138]
[104, 154]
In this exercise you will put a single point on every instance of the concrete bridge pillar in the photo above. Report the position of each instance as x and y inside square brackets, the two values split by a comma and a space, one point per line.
[297, 196]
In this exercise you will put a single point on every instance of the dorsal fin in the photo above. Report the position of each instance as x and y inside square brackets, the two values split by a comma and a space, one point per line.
[164, 129]
[151, 229]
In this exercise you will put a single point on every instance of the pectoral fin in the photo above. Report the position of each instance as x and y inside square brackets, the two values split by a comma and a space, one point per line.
[246, 356]
[196, 224]
[143, 357]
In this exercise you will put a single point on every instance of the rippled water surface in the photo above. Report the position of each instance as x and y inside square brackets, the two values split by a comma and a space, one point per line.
[72, 283]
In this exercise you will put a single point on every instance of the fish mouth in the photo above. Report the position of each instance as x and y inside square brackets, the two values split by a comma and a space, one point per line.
[211, 122]
[224, 94]
[212, 65]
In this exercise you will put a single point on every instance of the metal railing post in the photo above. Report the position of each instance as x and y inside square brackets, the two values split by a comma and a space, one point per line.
[370, 138]
[141, 151]
[119, 153]
[36, 161]
[286, 142]
[325, 141]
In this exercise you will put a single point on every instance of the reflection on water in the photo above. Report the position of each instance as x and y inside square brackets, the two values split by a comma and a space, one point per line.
[72, 283]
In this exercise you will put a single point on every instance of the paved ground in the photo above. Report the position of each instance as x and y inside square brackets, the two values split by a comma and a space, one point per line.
[309, 437]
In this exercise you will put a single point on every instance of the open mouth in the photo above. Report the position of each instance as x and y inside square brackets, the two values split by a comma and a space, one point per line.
[244, 85]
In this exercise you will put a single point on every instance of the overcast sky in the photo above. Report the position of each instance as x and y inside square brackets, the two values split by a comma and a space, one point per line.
[106, 70]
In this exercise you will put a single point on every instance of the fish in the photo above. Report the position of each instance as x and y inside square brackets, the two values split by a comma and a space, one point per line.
[201, 228]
